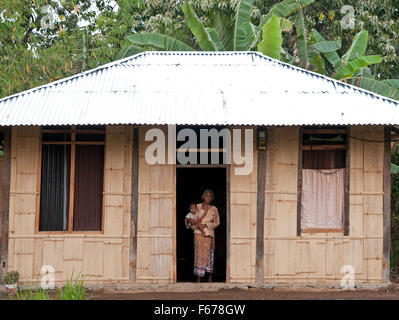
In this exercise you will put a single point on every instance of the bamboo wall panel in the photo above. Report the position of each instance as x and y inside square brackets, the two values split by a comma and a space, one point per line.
[320, 256]
[156, 218]
[100, 257]
[104, 258]
[243, 195]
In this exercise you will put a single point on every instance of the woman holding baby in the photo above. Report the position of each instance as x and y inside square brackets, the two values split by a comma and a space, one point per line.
[204, 237]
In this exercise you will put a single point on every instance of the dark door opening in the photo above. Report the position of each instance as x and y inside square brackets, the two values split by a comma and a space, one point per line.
[190, 184]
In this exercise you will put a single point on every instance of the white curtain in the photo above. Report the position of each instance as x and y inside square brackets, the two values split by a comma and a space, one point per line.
[323, 197]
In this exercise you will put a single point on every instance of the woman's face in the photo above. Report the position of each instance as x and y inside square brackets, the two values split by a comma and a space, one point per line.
[207, 198]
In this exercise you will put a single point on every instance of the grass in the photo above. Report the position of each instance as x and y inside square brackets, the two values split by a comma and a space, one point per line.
[74, 289]
[29, 294]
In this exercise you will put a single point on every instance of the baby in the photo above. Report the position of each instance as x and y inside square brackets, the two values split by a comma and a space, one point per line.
[191, 221]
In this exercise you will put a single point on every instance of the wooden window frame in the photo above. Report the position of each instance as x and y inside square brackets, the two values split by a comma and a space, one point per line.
[73, 131]
[345, 227]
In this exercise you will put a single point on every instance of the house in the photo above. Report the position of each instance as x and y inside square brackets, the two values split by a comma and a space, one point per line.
[91, 181]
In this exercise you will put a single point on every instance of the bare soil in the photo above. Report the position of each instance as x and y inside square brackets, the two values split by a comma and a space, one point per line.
[250, 294]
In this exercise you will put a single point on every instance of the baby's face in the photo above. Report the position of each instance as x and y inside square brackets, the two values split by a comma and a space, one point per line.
[193, 209]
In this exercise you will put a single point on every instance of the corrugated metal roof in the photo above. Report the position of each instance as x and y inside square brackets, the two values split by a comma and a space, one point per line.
[198, 88]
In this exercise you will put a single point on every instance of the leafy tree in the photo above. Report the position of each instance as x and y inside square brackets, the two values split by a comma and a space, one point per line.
[380, 18]
[226, 34]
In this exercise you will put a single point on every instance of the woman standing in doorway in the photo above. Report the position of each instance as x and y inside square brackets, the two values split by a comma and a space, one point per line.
[204, 246]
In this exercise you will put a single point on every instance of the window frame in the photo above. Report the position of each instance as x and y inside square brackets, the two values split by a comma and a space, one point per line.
[345, 227]
[73, 144]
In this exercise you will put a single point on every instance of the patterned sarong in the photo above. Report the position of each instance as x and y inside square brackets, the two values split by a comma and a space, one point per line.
[204, 252]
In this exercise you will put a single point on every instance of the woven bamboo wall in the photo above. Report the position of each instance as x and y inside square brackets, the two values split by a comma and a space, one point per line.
[156, 254]
[100, 257]
[105, 257]
[320, 256]
[243, 194]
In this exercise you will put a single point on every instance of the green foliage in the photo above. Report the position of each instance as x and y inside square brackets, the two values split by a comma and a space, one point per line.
[158, 41]
[302, 41]
[354, 64]
[378, 86]
[272, 39]
[198, 29]
[358, 47]
[243, 16]
[75, 289]
[331, 55]
[327, 46]
[244, 36]
[11, 277]
[28, 294]
[348, 70]
[380, 18]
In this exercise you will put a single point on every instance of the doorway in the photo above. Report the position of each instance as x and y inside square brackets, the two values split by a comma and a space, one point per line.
[191, 182]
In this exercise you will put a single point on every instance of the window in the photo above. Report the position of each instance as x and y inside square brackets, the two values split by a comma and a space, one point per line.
[323, 176]
[72, 173]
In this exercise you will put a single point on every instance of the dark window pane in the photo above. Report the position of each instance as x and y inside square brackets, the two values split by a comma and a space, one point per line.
[90, 137]
[62, 128]
[324, 159]
[90, 128]
[89, 172]
[54, 197]
[58, 137]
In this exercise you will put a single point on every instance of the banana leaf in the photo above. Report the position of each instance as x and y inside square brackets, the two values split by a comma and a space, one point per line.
[224, 27]
[394, 169]
[243, 16]
[318, 62]
[327, 46]
[378, 87]
[272, 39]
[286, 57]
[347, 71]
[282, 9]
[197, 28]
[158, 41]
[394, 83]
[286, 25]
[302, 43]
[250, 32]
[358, 47]
[332, 56]
[215, 39]
[362, 73]
[127, 51]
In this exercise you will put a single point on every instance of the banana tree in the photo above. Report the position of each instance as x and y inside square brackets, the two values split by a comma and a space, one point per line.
[221, 37]
[353, 65]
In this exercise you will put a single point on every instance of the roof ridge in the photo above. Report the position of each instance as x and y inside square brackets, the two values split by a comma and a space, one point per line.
[122, 61]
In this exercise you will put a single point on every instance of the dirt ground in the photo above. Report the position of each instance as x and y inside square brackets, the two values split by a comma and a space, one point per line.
[250, 294]
[282, 293]
[245, 294]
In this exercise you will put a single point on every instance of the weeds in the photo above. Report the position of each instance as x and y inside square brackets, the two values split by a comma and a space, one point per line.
[74, 289]
[28, 294]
